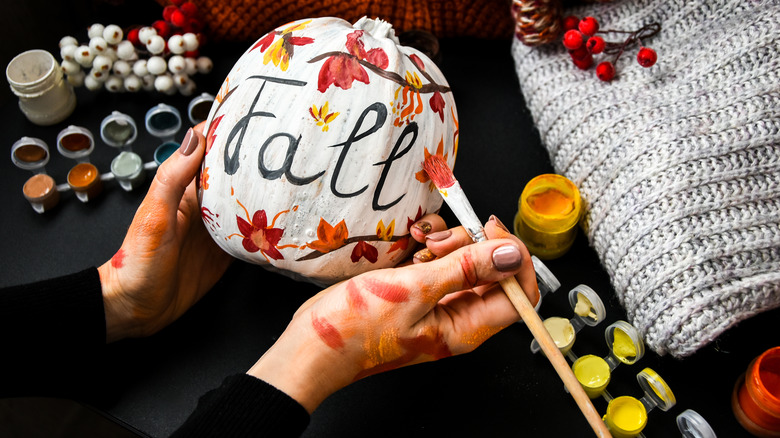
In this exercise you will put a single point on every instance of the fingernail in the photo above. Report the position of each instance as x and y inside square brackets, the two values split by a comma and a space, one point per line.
[498, 222]
[189, 143]
[507, 258]
[423, 255]
[439, 235]
[425, 227]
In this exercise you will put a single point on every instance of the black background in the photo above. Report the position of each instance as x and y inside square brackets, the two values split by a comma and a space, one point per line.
[151, 385]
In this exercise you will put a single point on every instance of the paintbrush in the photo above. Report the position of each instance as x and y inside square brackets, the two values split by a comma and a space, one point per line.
[449, 188]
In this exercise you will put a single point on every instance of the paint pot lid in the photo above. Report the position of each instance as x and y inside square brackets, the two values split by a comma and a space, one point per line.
[693, 425]
[79, 153]
[18, 150]
[633, 335]
[547, 281]
[598, 311]
[120, 119]
[171, 118]
[656, 389]
[203, 99]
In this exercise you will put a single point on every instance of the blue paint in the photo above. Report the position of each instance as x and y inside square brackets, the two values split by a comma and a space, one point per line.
[164, 151]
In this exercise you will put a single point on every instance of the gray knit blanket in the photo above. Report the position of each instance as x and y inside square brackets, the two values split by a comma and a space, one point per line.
[678, 164]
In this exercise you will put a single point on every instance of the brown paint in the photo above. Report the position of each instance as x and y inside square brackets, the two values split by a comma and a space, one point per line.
[30, 153]
[75, 142]
[84, 177]
[41, 188]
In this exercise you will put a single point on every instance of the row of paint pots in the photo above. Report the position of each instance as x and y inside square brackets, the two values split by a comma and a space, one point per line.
[74, 142]
[625, 416]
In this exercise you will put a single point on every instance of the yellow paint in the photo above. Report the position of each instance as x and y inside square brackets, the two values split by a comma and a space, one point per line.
[561, 331]
[584, 307]
[623, 346]
[551, 202]
[625, 417]
[593, 374]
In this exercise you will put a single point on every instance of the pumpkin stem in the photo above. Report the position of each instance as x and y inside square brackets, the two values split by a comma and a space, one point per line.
[377, 28]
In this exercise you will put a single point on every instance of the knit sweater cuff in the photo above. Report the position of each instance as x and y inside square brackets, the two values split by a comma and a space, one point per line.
[245, 406]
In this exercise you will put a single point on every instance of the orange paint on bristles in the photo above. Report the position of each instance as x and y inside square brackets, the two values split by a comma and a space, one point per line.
[439, 172]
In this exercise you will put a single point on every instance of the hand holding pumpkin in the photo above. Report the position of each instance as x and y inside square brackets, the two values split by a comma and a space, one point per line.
[167, 261]
[394, 317]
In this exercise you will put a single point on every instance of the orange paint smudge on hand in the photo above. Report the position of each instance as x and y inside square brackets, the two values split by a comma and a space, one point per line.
[478, 336]
[117, 261]
[395, 293]
[424, 344]
[327, 332]
[355, 299]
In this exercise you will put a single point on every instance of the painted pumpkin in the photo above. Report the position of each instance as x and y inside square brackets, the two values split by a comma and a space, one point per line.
[314, 149]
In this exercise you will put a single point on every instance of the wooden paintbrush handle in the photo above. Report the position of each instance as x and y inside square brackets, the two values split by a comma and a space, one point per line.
[526, 310]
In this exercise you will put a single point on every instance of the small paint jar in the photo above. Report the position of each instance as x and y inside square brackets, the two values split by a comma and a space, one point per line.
[548, 212]
[30, 153]
[593, 373]
[561, 331]
[595, 314]
[118, 130]
[545, 279]
[41, 191]
[199, 108]
[84, 179]
[625, 344]
[45, 97]
[756, 397]
[76, 143]
[164, 151]
[128, 169]
[693, 425]
[626, 416]
[163, 121]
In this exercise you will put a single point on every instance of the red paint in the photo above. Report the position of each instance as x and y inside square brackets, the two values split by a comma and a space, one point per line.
[355, 298]
[758, 398]
[327, 332]
[395, 293]
[118, 260]
[469, 271]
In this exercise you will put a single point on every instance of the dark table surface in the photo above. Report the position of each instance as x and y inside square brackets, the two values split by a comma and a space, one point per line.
[501, 389]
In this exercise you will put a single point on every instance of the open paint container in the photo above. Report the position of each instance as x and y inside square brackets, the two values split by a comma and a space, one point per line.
[693, 425]
[588, 311]
[163, 121]
[41, 192]
[84, 180]
[594, 372]
[30, 153]
[199, 108]
[545, 279]
[627, 416]
[128, 170]
[756, 396]
[76, 143]
[118, 130]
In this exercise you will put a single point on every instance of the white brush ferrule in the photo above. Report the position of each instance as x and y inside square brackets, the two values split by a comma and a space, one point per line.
[461, 207]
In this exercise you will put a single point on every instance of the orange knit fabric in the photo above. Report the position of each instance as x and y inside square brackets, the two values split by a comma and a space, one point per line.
[247, 20]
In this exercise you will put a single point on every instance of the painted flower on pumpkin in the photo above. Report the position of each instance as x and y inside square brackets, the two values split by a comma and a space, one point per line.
[364, 249]
[342, 69]
[437, 104]
[410, 104]
[322, 116]
[330, 237]
[204, 178]
[422, 175]
[258, 236]
[210, 133]
[281, 51]
[385, 233]
[403, 242]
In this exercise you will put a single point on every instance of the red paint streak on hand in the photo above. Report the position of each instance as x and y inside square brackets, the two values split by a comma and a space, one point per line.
[394, 293]
[118, 260]
[355, 299]
[327, 332]
[469, 270]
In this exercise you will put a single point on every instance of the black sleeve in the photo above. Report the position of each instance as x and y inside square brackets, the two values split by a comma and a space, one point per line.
[49, 332]
[245, 406]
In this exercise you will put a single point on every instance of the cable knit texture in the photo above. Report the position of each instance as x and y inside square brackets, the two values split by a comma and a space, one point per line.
[678, 164]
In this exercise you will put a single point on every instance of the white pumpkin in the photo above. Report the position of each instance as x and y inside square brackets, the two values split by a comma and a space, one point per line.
[315, 144]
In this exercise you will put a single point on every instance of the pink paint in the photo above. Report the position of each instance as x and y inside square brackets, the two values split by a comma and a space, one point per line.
[394, 293]
[355, 298]
[327, 332]
[118, 260]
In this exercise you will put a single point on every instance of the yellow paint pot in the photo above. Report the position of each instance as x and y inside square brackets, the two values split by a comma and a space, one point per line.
[593, 373]
[625, 417]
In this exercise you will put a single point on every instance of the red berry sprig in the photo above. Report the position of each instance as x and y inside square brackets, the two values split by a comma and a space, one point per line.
[582, 42]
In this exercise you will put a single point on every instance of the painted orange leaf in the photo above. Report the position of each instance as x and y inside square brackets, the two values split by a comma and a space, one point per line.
[330, 237]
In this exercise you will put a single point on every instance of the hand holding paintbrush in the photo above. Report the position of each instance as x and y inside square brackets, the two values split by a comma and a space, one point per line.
[450, 189]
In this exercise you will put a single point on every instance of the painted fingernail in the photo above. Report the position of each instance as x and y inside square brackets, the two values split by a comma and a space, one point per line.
[507, 258]
[423, 255]
[424, 226]
[439, 235]
[189, 143]
[498, 222]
